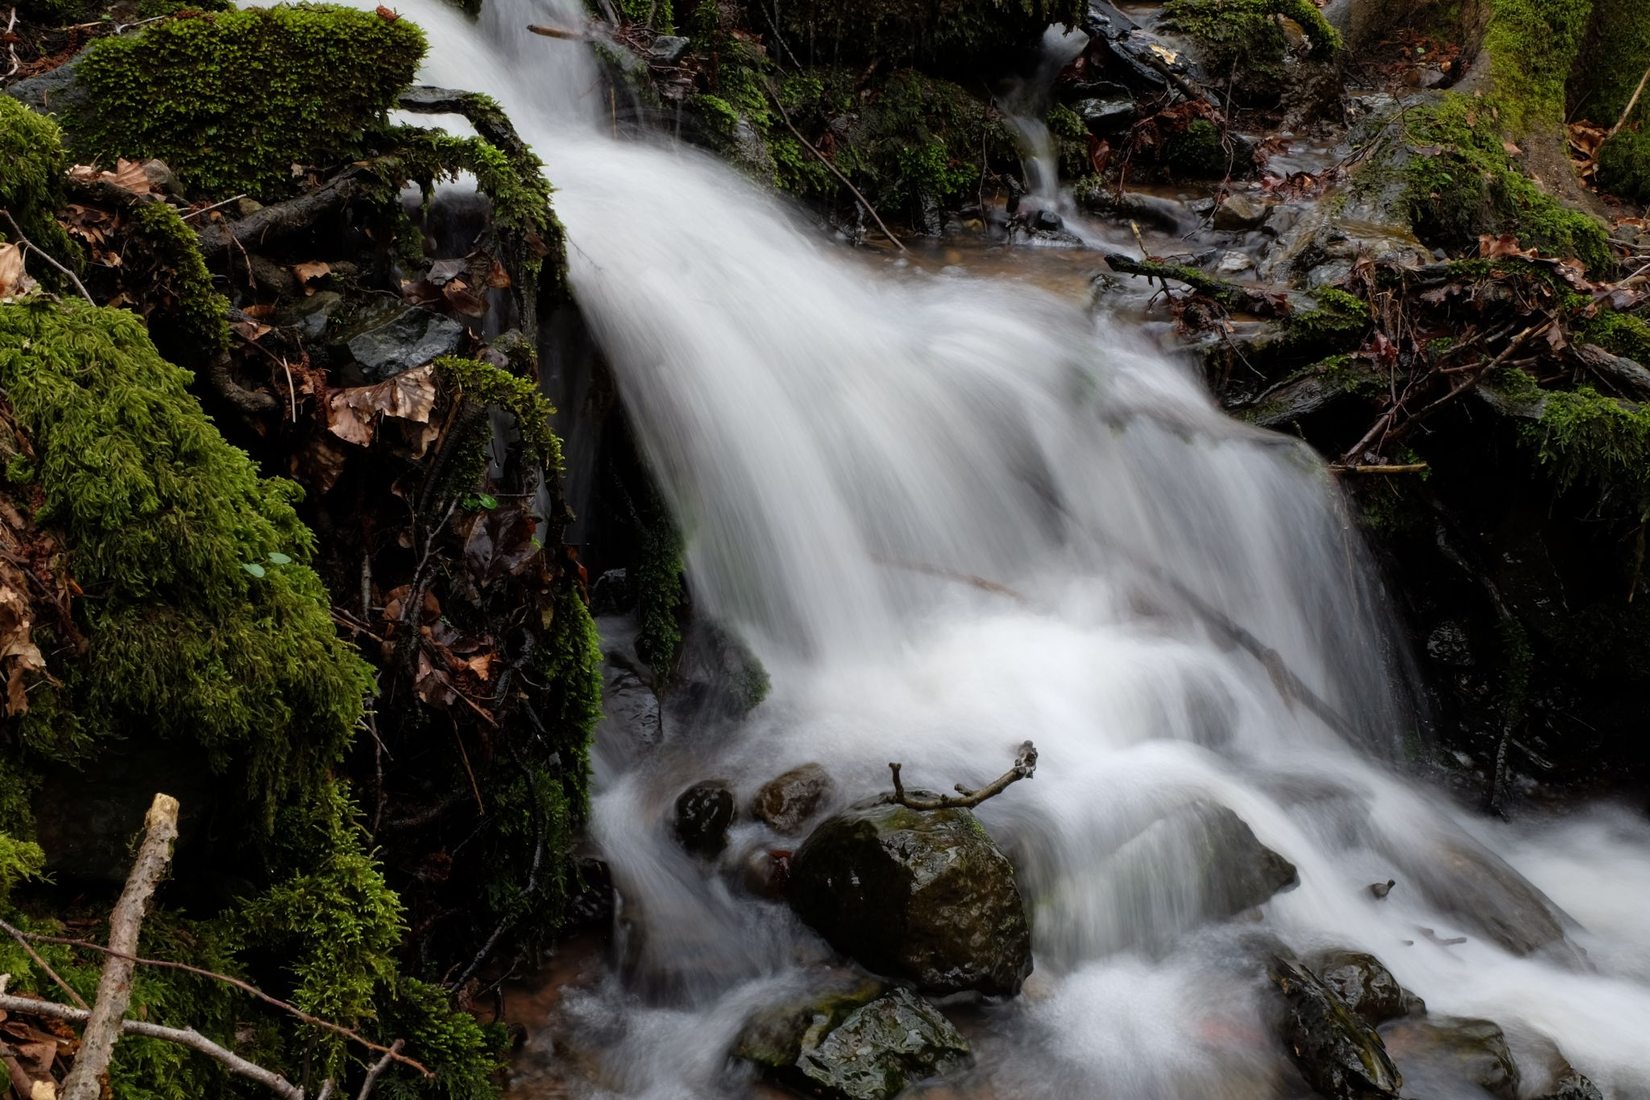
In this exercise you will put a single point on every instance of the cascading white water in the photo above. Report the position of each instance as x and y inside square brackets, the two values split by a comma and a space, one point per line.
[851, 451]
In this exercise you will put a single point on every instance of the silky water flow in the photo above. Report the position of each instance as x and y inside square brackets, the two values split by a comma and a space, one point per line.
[850, 451]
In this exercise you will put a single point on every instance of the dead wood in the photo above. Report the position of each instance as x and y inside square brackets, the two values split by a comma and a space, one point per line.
[1025, 764]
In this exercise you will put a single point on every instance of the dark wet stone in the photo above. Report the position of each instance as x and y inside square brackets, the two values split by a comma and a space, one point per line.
[1438, 1056]
[1367, 987]
[1242, 212]
[1239, 872]
[1572, 1086]
[1337, 1053]
[788, 801]
[53, 92]
[668, 49]
[922, 895]
[855, 1042]
[391, 338]
[703, 813]
[311, 315]
[1105, 117]
[612, 594]
[1478, 888]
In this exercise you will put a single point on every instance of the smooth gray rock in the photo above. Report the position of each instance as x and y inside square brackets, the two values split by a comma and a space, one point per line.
[394, 338]
[668, 49]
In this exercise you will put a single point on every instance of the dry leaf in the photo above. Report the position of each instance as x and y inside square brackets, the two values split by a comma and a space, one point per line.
[12, 275]
[130, 175]
[311, 272]
[353, 414]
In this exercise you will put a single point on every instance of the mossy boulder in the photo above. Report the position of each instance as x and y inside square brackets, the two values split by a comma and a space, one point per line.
[31, 187]
[1249, 42]
[926, 896]
[1624, 165]
[1460, 183]
[234, 100]
[203, 623]
[852, 1040]
[1617, 51]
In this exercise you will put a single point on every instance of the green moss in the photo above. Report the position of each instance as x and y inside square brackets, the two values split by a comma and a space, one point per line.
[190, 320]
[661, 593]
[1197, 152]
[19, 860]
[1339, 322]
[1616, 54]
[232, 100]
[1460, 183]
[521, 397]
[1624, 165]
[657, 14]
[949, 34]
[1621, 333]
[1586, 439]
[1244, 41]
[204, 622]
[31, 187]
[1532, 45]
[464, 1054]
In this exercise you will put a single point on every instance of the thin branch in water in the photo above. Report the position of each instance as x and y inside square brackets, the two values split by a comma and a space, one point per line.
[834, 170]
[1025, 765]
[38, 251]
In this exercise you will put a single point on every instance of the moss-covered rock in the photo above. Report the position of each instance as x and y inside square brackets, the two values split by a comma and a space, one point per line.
[31, 187]
[949, 34]
[204, 624]
[233, 100]
[921, 895]
[1624, 165]
[1532, 46]
[1247, 42]
[1459, 183]
[1617, 51]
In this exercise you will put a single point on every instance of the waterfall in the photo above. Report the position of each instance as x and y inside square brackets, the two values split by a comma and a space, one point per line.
[951, 514]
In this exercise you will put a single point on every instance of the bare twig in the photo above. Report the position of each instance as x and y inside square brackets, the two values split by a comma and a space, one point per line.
[243, 986]
[1402, 468]
[1025, 764]
[114, 987]
[214, 206]
[1631, 103]
[834, 170]
[23, 941]
[38, 251]
[11, 46]
[557, 32]
[185, 1037]
[377, 1071]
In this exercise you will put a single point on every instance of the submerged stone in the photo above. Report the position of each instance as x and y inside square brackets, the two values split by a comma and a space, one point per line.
[855, 1042]
[786, 802]
[1440, 1056]
[922, 895]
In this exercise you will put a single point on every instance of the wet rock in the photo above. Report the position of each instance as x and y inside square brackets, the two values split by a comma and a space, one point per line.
[923, 895]
[1366, 986]
[788, 801]
[766, 871]
[389, 338]
[54, 92]
[161, 178]
[612, 594]
[1106, 117]
[1047, 221]
[703, 814]
[716, 676]
[1572, 1086]
[856, 1042]
[1337, 1052]
[1478, 888]
[1238, 871]
[1440, 1056]
[311, 316]
[668, 49]
[1240, 213]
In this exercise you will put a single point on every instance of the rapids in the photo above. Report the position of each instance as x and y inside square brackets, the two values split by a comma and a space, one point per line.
[845, 446]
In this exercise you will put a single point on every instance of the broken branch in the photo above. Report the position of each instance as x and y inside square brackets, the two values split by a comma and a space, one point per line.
[114, 987]
[1025, 765]
[30, 246]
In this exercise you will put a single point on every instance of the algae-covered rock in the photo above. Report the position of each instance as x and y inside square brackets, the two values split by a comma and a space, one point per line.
[853, 1042]
[923, 895]
[1339, 1054]
[232, 100]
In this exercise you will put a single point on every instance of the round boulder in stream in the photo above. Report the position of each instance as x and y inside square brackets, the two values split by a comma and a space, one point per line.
[703, 814]
[1338, 1054]
[860, 1041]
[924, 895]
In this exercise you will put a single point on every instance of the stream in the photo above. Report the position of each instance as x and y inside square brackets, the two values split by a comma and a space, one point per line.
[846, 443]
